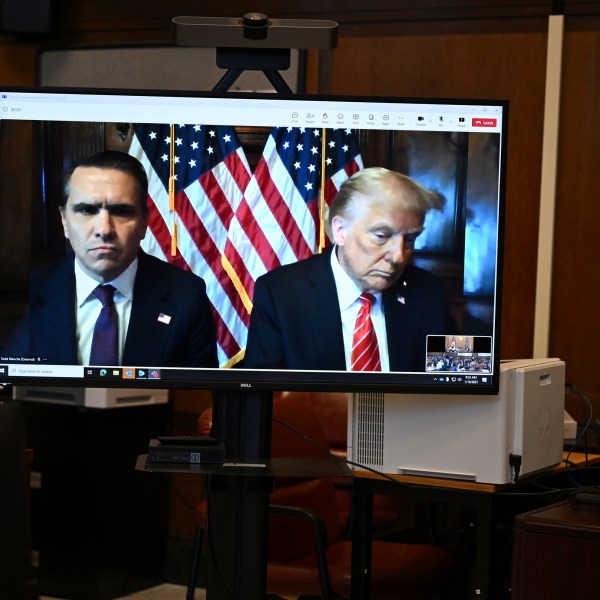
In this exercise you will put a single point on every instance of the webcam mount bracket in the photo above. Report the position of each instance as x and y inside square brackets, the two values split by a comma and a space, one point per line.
[254, 43]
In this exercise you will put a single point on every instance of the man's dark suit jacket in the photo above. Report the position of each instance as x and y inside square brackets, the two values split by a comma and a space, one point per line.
[188, 340]
[296, 321]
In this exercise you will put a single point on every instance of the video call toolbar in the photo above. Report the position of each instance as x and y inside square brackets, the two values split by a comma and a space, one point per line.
[18, 105]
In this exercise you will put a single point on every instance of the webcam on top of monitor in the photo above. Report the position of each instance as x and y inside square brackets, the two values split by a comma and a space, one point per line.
[254, 30]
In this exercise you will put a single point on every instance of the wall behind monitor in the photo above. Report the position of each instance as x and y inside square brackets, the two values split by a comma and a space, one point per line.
[575, 318]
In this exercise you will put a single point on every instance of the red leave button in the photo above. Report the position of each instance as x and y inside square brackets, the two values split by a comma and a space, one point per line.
[483, 122]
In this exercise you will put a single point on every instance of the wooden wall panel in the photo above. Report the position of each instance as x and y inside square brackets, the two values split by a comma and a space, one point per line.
[471, 63]
[17, 61]
[575, 309]
[139, 14]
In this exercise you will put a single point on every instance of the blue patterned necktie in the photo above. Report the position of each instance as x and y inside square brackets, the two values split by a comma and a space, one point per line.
[105, 345]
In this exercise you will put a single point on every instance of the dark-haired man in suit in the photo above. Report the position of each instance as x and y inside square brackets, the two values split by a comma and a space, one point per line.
[362, 305]
[152, 313]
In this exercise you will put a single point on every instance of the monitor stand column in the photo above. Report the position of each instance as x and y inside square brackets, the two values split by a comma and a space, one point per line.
[238, 505]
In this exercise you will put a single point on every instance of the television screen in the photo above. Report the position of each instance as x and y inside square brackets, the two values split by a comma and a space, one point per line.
[250, 241]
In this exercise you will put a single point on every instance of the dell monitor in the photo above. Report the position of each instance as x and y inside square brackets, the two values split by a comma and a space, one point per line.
[244, 236]
[234, 269]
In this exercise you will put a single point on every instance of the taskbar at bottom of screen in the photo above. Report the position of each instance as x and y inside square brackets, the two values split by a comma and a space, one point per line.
[37, 370]
[267, 378]
[250, 378]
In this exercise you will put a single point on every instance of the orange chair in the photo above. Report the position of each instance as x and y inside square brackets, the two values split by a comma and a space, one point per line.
[307, 553]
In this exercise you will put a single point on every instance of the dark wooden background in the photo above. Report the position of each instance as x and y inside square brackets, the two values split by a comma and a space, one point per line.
[444, 48]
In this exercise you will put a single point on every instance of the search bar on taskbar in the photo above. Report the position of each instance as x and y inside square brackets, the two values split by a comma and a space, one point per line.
[45, 371]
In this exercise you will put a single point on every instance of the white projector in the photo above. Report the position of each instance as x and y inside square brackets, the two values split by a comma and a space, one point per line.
[462, 436]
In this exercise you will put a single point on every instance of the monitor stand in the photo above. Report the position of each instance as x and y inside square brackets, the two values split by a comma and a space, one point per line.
[238, 505]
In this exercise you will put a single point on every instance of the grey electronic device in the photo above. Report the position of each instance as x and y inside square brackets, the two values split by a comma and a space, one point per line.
[254, 30]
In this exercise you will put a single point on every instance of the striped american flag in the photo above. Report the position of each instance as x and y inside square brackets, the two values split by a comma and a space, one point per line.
[228, 225]
[210, 172]
[293, 185]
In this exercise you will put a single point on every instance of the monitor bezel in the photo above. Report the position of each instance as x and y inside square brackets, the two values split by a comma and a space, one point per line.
[235, 379]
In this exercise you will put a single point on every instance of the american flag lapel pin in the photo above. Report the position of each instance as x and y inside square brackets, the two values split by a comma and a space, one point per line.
[162, 318]
[399, 297]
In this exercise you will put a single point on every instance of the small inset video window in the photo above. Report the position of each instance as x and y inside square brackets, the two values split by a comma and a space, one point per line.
[459, 354]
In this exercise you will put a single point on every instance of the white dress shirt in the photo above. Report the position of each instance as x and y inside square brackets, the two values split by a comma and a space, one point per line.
[89, 307]
[348, 293]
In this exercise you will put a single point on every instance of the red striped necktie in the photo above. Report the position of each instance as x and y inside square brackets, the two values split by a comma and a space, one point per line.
[365, 350]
